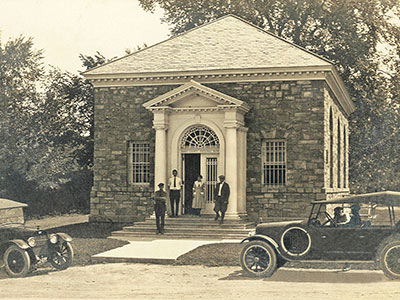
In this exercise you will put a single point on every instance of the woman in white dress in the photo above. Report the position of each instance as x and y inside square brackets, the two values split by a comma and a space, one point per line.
[198, 196]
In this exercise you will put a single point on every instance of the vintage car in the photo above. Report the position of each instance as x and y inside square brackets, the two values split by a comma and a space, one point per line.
[22, 248]
[357, 227]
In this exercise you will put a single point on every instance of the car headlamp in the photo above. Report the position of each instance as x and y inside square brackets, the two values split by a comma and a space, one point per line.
[32, 242]
[53, 238]
[252, 232]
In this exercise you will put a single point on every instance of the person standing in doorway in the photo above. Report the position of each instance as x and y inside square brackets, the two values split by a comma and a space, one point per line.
[198, 195]
[175, 186]
[160, 198]
[221, 196]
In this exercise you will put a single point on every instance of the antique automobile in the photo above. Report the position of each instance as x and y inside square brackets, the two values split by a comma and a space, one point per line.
[23, 248]
[353, 228]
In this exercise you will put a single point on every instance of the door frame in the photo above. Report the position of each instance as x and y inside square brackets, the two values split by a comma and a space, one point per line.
[203, 171]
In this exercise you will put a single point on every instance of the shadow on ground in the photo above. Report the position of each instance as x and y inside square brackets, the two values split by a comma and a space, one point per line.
[316, 276]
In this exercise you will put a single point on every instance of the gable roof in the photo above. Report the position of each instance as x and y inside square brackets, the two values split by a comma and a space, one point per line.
[227, 43]
[193, 87]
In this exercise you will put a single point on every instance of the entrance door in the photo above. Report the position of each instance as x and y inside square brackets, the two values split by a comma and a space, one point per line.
[205, 165]
[191, 171]
[209, 169]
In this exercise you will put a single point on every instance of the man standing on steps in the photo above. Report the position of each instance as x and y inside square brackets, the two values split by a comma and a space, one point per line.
[160, 198]
[175, 186]
[221, 196]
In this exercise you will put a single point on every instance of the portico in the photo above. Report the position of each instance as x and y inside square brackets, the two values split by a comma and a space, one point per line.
[199, 130]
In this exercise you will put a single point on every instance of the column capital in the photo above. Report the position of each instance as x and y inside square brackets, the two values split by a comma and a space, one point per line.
[160, 126]
[233, 124]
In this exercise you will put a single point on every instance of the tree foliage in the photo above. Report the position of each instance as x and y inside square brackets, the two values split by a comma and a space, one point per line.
[46, 130]
[347, 32]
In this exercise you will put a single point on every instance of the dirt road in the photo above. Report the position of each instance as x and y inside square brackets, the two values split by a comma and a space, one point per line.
[149, 281]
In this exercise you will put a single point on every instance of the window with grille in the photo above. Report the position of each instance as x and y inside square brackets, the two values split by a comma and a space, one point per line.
[274, 163]
[139, 162]
[211, 179]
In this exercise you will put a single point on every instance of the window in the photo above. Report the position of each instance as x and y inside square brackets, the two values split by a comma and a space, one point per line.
[339, 167]
[274, 163]
[330, 148]
[199, 138]
[139, 162]
[344, 158]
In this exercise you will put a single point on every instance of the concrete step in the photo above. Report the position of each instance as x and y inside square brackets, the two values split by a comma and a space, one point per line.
[220, 230]
[172, 235]
[187, 227]
[204, 226]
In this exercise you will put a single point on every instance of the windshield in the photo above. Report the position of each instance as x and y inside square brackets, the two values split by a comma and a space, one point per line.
[353, 215]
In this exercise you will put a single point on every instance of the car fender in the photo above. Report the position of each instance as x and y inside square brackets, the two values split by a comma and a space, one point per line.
[20, 243]
[64, 236]
[264, 238]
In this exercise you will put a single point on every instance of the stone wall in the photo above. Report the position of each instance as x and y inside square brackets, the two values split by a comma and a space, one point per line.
[293, 111]
[336, 157]
[119, 119]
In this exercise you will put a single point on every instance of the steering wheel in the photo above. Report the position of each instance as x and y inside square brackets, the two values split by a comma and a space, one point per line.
[333, 223]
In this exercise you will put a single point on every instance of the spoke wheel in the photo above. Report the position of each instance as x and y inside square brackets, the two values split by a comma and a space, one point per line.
[390, 260]
[16, 261]
[61, 255]
[258, 259]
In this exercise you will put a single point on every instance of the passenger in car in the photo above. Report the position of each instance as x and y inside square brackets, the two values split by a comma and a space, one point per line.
[339, 217]
[355, 216]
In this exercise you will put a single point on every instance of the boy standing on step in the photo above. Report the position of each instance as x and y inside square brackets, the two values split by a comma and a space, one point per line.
[160, 198]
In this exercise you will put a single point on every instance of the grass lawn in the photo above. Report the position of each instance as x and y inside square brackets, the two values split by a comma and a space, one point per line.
[89, 239]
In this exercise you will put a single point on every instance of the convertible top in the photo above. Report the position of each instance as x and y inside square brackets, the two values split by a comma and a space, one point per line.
[386, 197]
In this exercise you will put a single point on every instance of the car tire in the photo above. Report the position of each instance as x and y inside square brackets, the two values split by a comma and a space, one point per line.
[389, 259]
[62, 255]
[17, 262]
[258, 259]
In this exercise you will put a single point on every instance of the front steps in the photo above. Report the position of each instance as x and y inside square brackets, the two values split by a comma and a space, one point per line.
[187, 227]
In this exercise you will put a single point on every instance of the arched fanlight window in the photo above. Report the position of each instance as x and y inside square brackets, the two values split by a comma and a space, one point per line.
[198, 138]
[330, 148]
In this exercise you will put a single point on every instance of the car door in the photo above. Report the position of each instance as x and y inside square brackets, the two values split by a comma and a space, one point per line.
[329, 240]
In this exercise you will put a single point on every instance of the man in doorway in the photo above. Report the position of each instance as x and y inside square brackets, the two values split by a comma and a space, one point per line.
[221, 196]
[160, 198]
[175, 186]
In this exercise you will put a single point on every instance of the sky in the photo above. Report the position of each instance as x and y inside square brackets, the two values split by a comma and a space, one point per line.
[66, 28]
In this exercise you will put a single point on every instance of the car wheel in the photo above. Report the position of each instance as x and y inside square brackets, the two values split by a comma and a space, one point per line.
[389, 259]
[16, 261]
[258, 259]
[61, 255]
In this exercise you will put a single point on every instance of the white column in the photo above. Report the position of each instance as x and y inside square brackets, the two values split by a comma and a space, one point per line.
[242, 180]
[160, 159]
[231, 167]
[160, 124]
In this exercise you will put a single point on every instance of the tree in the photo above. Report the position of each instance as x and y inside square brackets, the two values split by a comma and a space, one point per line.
[347, 32]
[46, 131]
[20, 72]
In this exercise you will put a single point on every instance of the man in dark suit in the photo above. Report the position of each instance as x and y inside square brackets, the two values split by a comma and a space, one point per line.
[221, 196]
[159, 207]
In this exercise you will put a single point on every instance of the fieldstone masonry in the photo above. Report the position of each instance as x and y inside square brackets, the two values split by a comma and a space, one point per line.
[296, 111]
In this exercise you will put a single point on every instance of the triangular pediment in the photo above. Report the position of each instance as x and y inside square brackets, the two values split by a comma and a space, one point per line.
[194, 95]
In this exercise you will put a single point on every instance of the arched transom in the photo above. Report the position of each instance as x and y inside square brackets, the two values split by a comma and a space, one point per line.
[199, 138]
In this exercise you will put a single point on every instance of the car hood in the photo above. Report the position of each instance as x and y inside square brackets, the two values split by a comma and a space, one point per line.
[280, 224]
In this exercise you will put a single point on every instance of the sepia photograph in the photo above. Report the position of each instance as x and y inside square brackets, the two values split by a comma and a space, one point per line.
[200, 149]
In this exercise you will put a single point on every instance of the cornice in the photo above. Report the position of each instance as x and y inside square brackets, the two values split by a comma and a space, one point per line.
[326, 73]
[208, 76]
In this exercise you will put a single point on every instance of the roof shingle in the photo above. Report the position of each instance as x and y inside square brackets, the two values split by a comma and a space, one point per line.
[227, 43]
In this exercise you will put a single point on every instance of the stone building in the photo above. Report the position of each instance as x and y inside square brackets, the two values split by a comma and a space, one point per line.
[224, 98]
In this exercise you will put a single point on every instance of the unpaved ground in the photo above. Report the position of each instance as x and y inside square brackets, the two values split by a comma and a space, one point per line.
[150, 281]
